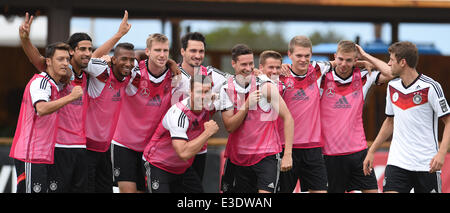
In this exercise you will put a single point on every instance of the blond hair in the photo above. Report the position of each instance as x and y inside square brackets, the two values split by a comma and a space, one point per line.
[156, 37]
[346, 46]
[301, 41]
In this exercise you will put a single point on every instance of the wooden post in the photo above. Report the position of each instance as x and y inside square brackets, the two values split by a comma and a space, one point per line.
[59, 15]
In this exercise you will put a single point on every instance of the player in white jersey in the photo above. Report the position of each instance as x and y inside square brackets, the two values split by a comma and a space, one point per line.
[414, 103]
[193, 53]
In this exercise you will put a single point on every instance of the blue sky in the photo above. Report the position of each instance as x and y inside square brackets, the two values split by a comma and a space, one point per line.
[436, 34]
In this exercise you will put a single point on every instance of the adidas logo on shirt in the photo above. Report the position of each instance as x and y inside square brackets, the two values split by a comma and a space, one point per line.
[300, 95]
[342, 103]
[155, 101]
[116, 97]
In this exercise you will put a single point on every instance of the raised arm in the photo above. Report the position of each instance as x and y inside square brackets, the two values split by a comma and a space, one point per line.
[30, 50]
[124, 27]
[383, 67]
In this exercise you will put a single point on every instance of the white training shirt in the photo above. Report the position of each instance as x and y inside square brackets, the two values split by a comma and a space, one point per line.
[176, 122]
[41, 89]
[96, 67]
[416, 109]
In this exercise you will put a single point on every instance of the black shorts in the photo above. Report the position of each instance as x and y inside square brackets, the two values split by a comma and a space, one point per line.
[228, 180]
[34, 178]
[100, 178]
[263, 175]
[160, 181]
[193, 178]
[345, 173]
[309, 168]
[402, 180]
[127, 166]
[71, 171]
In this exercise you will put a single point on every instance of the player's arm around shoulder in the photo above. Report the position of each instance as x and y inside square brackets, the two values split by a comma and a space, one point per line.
[383, 67]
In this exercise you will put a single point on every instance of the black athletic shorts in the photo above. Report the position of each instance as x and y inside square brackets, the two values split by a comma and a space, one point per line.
[32, 177]
[71, 171]
[263, 175]
[100, 178]
[309, 168]
[345, 173]
[193, 178]
[402, 180]
[160, 181]
[127, 166]
[228, 178]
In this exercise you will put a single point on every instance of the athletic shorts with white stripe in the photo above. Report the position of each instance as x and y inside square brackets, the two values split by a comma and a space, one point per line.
[34, 178]
[402, 180]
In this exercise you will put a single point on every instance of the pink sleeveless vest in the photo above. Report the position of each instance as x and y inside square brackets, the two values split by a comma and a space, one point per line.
[72, 117]
[34, 140]
[204, 71]
[256, 138]
[103, 112]
[160, 152]
[341, 108]
[141, 113]
[302, 97]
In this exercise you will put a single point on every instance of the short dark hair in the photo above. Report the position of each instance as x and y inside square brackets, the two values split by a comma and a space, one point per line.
[195, 36]
[405, 50]
[75, 38]
[124, 45]
[51, 48]
[240, 49]
[199, 78]
[269, 54]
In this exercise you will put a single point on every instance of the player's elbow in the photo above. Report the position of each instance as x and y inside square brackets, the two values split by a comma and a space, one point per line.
[230, 128]
[41, 110]
[287, 118]
[184, 156]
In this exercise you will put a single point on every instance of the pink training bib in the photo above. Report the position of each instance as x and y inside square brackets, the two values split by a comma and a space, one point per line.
[160, 152]
[35, 136]
[72, 117]
[341, 110]
[141, 113]
[103, 112]
[256, 138]
[302, 97]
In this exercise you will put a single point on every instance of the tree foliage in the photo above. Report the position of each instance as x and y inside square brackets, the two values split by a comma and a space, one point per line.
[255, 35]
[329, 37]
